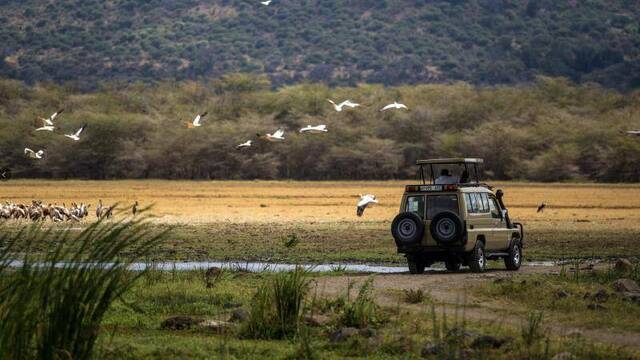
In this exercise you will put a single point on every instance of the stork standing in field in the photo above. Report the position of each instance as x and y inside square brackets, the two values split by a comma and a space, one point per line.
[395, 105]
[134, 209]
[541, 207]
[365, 201]
[277, 136]
[347, 103]
[314, 129]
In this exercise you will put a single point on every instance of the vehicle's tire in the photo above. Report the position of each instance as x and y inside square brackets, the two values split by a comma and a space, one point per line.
[407, 229]
[452, 265]
[514, 259]
[477, 258]
[446, 228]
[415, 266]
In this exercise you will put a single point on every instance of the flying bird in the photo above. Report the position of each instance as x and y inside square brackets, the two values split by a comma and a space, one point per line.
[244, 145]
[197, 121]
[32, 154]
[275, 137]
[633, 132]
[365, 201]
[45, 127]
[395, 105]
[347, 103]
[541, 207]
[314, 129]
[53, 116]
[76, 135]
[265, 3]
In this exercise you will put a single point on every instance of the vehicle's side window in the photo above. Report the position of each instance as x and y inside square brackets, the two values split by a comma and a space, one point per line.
[476, 203]
[495, 208]
[467, 200]
[439, 203]
[485, 202]
[415, 204]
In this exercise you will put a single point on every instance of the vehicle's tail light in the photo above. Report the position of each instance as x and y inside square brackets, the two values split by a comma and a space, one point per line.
[412, 188]
[450, 187]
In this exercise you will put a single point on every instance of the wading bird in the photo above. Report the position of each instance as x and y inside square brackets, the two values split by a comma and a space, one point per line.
[277, 136]
[395, 105]
[365, 201]
[347, 103]
[244, 145]
[53, 116]
[197, 121]
[134, 209]
[76, 136]
[541, 207]
[32, 154]
[314, 129]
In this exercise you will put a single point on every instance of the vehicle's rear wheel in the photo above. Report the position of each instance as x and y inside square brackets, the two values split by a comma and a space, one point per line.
[415, 266]
[514, 259]
[477, 259]
[452, 265]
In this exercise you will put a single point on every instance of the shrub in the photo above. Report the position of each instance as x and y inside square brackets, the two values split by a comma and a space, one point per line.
[362, 311]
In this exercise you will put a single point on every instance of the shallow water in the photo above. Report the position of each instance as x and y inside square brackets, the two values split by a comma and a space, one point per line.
[270, 267]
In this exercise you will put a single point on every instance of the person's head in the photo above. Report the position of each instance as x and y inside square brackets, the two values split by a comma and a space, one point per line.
[445, 172]
[464, 177]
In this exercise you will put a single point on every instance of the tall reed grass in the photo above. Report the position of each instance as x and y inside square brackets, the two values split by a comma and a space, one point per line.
[54, 298]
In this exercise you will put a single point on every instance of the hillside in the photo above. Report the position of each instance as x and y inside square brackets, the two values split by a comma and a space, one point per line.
[339, 42]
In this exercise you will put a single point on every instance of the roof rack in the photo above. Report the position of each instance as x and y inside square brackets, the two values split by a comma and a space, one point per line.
[450, 161]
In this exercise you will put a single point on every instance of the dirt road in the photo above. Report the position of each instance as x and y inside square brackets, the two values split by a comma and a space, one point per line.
[450, 290]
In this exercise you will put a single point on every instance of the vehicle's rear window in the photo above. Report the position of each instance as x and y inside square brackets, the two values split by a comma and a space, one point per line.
[439, 203]
[415, 204]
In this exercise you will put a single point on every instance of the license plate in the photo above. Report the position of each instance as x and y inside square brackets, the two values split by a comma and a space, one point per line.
[431, 188]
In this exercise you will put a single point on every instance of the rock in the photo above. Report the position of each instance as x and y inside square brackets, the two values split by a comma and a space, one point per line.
[344, 334]
[563, 356]
[631, 296]
[316, 320]
[623, 266]
[625, 285]
[239, 315]
[368, 332]
[488, 341]
[601, 295]
[218, 326]
[596, 306]
[561, 294]
[179, 323]
[431, 349]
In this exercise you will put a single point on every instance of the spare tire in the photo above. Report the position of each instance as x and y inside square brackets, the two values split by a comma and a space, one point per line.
[446, 228]
[407, 229]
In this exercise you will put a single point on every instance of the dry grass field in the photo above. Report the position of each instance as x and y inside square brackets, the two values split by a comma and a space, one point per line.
[219, 219]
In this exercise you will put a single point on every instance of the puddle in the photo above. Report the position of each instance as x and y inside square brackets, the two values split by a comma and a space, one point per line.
[257, 267]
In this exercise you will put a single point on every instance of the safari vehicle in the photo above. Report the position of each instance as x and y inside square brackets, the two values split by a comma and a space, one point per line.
[457, 220]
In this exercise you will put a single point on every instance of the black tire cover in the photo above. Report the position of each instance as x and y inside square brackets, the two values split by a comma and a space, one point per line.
[446, 228]
[407, 229]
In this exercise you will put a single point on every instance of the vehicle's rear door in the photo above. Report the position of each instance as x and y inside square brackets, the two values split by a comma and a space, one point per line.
[417, 205]
[435, 205]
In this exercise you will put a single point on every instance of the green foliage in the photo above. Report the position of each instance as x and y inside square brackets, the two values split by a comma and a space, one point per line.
[52, 306]
[331, 41]
[362, 311]
[552, 130]
[277, 307]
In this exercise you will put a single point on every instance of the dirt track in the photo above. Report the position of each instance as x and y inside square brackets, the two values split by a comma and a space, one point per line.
[449, 289]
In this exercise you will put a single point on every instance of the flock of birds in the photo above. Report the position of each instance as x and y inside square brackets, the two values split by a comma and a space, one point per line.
[36, 211]
[48, 125]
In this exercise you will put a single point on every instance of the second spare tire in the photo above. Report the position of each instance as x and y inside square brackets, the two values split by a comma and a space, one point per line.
[446, 228]
[407, 229]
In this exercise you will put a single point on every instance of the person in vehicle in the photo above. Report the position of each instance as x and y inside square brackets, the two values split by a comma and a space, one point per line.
[464, 177]
[446, 178]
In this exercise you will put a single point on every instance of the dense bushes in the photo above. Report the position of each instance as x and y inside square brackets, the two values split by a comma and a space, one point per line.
[337, 42]
[550, 131]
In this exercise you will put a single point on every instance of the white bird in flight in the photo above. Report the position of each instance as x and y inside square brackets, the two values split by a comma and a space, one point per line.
[45, 127]
[633, 132]
[347, 103]
[275, 137]
[365, 201]
[244, 145]
[265, 3]
[53, 116]
[395, 105]
[76, 136]
[32, 154]
[197, 121]
[314, 129]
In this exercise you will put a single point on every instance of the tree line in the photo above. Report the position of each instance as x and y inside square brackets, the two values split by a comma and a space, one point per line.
[551, 130]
